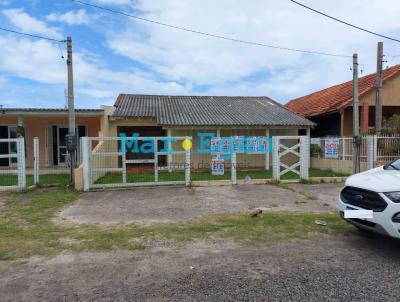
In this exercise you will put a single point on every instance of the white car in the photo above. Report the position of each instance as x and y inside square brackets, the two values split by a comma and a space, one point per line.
[377, 190]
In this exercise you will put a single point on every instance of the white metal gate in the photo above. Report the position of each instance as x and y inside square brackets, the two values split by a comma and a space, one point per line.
[292, 154]
[12, 173]
[114, 161]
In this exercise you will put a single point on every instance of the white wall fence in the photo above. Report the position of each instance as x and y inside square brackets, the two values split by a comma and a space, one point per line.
[335, 153]
[104, 165]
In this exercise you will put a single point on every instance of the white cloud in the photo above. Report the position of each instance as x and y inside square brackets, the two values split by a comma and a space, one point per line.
[26, 23]
[184, 63]
[77, 17]
[199, 60]
[26, 59]
[39, 61]
[113, 2]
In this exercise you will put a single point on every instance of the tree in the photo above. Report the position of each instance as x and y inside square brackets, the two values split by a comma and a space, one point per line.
[391, 125]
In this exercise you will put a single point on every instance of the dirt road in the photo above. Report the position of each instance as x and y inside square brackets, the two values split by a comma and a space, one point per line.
[331, 268]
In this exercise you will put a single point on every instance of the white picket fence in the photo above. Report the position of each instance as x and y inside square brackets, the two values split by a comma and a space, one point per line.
[387, 148]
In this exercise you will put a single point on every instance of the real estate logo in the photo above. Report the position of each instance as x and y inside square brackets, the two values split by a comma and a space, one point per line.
[208, 144]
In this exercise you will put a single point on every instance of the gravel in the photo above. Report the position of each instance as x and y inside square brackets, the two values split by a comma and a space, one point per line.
[345, 268]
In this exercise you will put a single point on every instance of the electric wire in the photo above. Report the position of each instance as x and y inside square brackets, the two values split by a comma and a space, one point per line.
[217, 36]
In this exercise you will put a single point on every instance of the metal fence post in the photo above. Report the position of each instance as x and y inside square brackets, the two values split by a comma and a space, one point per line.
[371, 151]
[86, 148]
[21, 164]
[80, 152]
[169, 146]
[187, 164]
[155, 160]
[267, 148]
[375, 152]
[36, 160]
[233, 168]
[124, 167]
[343, 139]
[304, 157]
[275, 158]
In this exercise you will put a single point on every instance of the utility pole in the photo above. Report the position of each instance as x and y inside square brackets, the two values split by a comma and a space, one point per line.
[71, 138]
[356, 123]
[378, 85]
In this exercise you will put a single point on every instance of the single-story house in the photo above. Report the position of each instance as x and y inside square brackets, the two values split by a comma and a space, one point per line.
[153, 115]
[50, 126]
[163, 115]
[331, 108]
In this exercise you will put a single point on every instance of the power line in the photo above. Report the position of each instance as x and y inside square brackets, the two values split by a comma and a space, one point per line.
[31, 35]
[344, 22]
[391, 60]
[209, 34]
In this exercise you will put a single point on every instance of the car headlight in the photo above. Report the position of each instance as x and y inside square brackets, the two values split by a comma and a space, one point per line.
[393, 196]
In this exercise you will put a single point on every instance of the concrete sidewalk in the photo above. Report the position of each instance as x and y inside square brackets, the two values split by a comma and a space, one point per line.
[173, 204]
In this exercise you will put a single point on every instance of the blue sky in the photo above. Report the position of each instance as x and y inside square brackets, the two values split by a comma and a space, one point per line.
[113, 54]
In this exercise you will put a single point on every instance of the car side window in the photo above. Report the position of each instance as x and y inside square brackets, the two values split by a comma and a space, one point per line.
[396, 164]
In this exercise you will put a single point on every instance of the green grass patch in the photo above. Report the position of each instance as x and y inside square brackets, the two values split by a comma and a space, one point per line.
[47, 179]
[50, 179]
[199, 176]
[8, 180]
[26, 228]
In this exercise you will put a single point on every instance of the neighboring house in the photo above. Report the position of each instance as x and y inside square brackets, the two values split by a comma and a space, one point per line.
[50, 126]
[331, 108]
[163, 115]
[150, 115]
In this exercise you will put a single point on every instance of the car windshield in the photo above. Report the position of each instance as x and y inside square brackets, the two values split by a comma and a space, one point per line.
[394, 165]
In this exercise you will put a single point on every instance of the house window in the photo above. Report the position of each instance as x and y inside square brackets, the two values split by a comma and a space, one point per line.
[8, 147]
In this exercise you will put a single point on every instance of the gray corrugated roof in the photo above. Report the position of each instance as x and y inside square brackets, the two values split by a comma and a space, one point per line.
[51, 111]
[207, 110]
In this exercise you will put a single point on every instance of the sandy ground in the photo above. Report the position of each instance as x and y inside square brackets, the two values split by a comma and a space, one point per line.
[170, 204]
[328, 269]
[356, 267]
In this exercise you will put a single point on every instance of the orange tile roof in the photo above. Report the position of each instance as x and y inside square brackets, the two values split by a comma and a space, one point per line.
[334, 98]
